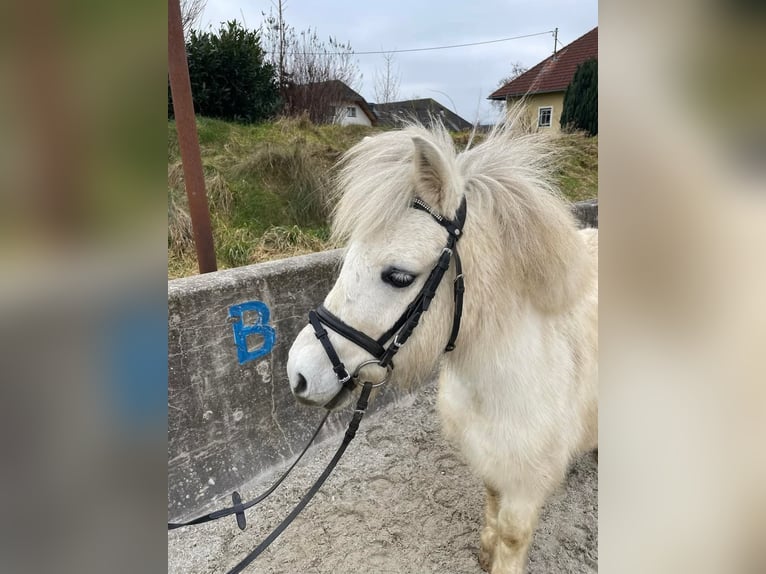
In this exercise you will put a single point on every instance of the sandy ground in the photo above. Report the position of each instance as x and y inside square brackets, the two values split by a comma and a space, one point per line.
[400, 502]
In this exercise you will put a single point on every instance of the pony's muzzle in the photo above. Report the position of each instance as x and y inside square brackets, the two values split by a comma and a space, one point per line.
[299, 388]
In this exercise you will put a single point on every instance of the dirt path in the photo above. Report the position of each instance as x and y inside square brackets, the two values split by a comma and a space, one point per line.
[400, 502]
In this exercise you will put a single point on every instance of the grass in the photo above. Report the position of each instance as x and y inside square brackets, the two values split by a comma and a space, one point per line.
[267, 187]
[577, 175]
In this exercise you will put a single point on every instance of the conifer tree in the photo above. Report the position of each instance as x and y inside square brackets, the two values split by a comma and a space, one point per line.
[580, 109]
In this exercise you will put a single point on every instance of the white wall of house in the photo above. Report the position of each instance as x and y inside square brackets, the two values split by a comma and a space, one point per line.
[348, 114]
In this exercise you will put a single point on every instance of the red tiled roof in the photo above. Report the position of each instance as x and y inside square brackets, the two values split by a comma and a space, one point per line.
[555, 72]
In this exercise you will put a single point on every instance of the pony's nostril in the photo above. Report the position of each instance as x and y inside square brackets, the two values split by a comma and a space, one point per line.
[300, 386]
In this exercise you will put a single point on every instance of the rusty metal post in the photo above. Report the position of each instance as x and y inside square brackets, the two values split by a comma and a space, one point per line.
[183, 108]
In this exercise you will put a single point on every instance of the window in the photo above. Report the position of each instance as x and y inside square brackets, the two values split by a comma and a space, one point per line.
[351, 111]
[544, 116]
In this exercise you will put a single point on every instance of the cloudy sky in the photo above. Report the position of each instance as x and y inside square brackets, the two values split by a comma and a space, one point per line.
[460, 76]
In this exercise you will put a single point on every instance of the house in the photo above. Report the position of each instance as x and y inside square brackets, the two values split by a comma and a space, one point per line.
[543, 86]
[331, 102]
[423, 111]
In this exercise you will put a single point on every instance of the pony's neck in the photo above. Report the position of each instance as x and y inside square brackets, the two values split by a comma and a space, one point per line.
[496, 329]
[499, 359]
[500, 324]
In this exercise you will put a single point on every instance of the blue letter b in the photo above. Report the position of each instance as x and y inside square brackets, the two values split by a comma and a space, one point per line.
[260, 327]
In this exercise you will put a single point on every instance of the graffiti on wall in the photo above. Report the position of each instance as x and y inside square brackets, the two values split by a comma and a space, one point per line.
[253, 335]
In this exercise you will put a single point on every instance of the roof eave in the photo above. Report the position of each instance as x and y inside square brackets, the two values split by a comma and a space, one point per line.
[524, 94]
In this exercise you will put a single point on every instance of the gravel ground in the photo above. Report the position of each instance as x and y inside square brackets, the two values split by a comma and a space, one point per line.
[400, 502]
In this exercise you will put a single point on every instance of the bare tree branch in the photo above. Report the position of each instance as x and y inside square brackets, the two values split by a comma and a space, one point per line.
[306, 67]
[191, 10]
[387, 81]
[517, 68]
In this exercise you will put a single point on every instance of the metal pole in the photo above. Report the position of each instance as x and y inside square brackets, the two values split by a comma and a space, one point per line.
[183, 108]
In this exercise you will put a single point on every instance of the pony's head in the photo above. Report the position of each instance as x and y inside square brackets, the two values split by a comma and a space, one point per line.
[391, 250]
[520, 248]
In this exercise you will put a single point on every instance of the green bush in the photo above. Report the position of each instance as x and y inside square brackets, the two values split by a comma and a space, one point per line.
[229, 78]
[580, 111]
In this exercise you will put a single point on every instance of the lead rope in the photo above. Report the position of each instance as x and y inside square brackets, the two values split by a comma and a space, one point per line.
[239, 508]
[353, 426]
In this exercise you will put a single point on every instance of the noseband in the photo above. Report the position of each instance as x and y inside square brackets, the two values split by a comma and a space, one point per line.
[401, 330]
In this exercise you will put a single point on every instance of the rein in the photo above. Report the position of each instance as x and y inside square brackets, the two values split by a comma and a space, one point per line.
[353, 425]
[239, 509]
[400, 331]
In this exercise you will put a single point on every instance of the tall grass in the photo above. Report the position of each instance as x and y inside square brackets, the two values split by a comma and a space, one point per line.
[297, 176]
[577, 174]
[180, 236]
[267, 187]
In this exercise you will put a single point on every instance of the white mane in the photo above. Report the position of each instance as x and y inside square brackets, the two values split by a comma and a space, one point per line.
[374, 184]
[507, 181]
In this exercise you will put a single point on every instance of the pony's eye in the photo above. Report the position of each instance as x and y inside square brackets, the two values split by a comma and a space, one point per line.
[397, 278]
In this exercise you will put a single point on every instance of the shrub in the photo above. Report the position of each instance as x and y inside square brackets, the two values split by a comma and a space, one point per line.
[229, 78]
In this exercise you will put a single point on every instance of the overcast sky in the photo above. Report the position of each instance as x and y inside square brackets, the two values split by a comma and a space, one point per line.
[463, 76]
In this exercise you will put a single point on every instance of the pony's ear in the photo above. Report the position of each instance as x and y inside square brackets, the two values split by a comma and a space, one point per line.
[430, 171]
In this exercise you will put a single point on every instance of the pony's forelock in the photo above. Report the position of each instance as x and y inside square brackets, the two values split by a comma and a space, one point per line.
[374, 181]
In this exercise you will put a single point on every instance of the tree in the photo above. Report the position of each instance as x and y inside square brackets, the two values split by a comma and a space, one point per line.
[306, 67]
[229, 77]
[580, 110]
[274, 31]
[387, 81]
[517, 68]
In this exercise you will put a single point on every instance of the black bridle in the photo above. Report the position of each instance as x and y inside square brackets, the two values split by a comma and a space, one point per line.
[401, 330]
[383, 356]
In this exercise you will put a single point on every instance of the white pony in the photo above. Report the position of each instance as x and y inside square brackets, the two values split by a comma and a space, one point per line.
[518, 395]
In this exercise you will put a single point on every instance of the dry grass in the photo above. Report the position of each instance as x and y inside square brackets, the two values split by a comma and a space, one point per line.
[577, 176]
[296, 175]
[236, 247]
[279, 242]
[219, 192]
[180, 236]
[267, 187]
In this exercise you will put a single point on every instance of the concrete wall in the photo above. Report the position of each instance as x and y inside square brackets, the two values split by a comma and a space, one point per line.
[231, 415]
[230, 412]
[586, 213]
